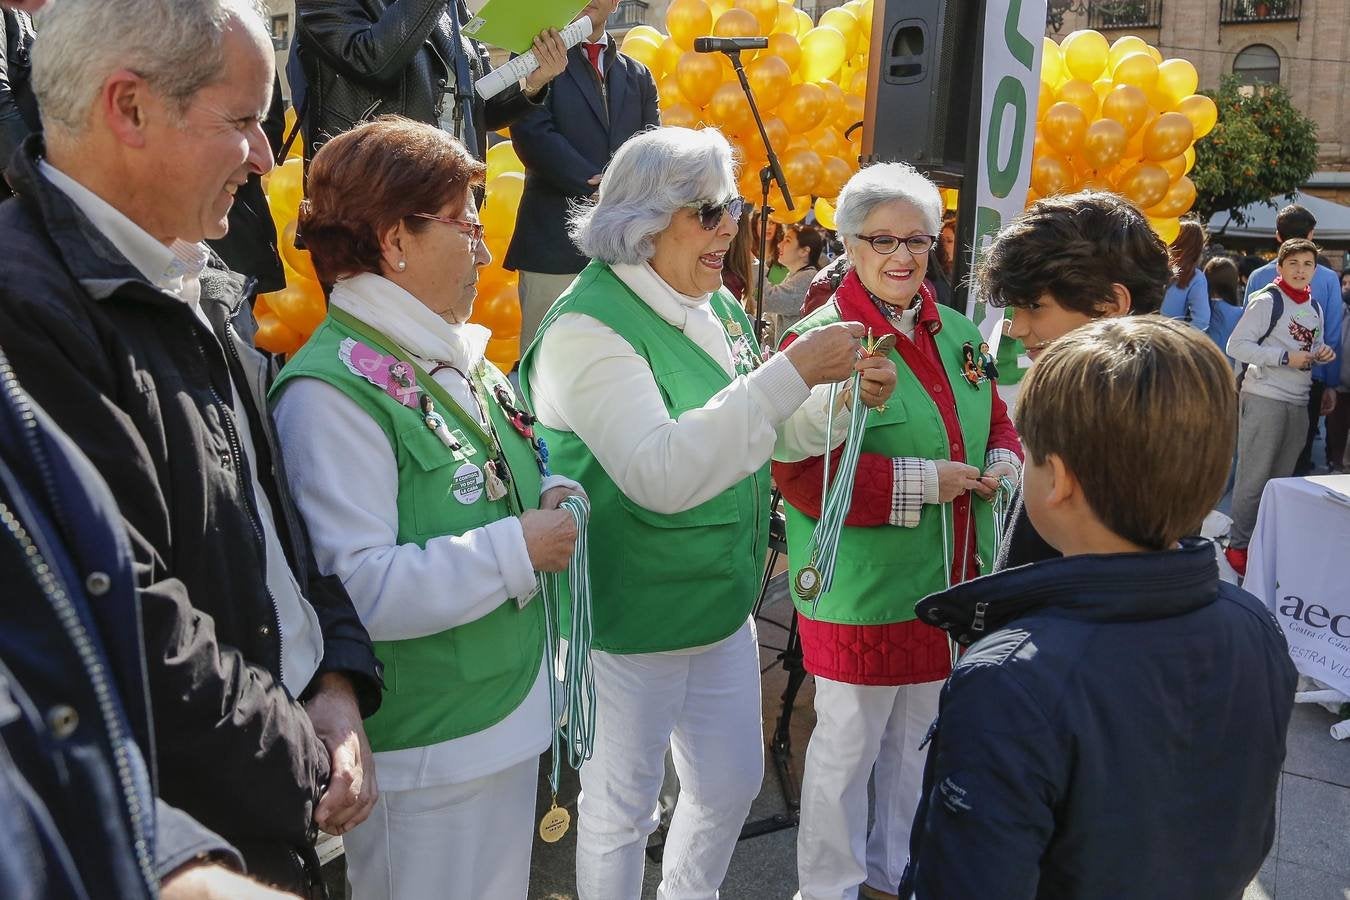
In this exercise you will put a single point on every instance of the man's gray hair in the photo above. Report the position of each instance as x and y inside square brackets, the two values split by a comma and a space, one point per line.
[884, 183]
[177, 46]
[652, 175]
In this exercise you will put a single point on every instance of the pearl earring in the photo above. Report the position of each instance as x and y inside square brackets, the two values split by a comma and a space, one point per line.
[402, 264]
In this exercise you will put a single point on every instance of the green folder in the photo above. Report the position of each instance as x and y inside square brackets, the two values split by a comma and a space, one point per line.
[513, 24]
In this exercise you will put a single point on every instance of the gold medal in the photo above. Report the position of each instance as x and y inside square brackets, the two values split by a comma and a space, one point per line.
[808, 582]
[554, 824]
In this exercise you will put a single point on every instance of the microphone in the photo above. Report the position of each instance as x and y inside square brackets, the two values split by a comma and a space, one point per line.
[729, 45]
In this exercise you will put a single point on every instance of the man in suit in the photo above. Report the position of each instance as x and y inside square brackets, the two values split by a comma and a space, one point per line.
[599, 101]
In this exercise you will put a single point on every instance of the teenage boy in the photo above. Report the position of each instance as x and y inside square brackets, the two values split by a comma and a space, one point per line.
[1064, 262]
[1119, 730]
[1280, 337]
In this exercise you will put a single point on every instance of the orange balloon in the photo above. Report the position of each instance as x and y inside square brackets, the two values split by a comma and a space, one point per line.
[784, 216]
[669, 58]
[718, 7]
[300, 306]
[737, 23]
[1050, 175]
[786, 48]
[1202, 112]
[1174, 167]
[802, 107]
[699, 74]
[275, 336]
[1178, 200]
[764, 11]
[797, 142]
[1144, 185]
[777, 132]
[729, 108]
[1064, 126]
[835, 171]
[1094, 181]
[1045, 98]
[680, 115]
[769, 78]
[850, 114]
[857, 83]
[1128, 105]
[688, 19]
[1168, 137]
[1081, 95]
[1137, 69]
[786, 21]
[503, 352]
[1104, 143]
[827, 141]
[668, 92]
[498, 309]
[803, 169]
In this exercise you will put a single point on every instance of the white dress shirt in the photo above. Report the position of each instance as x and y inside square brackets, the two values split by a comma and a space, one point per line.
[176, 270]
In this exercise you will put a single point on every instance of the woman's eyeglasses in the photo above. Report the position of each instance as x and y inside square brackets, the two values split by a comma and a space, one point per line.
[710, 214]
[473, 229]
[886, 244]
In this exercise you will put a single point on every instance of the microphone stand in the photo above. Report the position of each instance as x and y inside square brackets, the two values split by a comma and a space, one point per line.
[769, 174]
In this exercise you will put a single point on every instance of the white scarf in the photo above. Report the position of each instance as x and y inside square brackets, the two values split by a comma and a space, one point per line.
[406, 321]
[692, 315]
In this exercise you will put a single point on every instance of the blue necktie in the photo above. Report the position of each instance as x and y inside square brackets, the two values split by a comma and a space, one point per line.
[463, 82]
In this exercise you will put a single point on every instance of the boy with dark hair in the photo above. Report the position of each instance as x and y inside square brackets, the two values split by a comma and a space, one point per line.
[1292, 222]
[1120, 728]
[1280, 337]
[1064, 262]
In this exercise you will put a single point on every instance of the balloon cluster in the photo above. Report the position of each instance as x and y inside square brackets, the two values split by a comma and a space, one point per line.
[498, 304]
[1119, 118]
[286, 318]
[809, 86]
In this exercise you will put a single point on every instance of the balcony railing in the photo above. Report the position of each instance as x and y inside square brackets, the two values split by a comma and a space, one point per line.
[1234, 11]
[1108, 14]
[629, 13]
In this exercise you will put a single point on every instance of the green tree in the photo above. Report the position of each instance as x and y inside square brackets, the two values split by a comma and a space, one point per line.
[1262, 147]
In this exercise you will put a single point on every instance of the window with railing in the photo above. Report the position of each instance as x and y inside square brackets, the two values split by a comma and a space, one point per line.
[1231, 11]
[628, 14]
[1107, 14]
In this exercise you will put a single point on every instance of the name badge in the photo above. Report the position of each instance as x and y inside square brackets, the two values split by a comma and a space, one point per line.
[468, 484]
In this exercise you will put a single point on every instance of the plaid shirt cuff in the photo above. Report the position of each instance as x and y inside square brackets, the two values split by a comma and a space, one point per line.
[998, 455]
[914, 483]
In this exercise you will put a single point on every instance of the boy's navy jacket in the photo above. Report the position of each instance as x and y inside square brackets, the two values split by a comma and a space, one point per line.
[1118, 732]
[76, 760]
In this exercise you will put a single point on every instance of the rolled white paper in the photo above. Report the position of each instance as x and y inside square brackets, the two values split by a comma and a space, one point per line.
[501, 78]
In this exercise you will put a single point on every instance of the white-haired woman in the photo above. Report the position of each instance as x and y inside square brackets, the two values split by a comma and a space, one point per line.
[649, 387]
[931, 460]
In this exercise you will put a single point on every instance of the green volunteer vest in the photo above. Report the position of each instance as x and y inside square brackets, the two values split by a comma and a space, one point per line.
[465, 679]
[880, 572]
[662, 582]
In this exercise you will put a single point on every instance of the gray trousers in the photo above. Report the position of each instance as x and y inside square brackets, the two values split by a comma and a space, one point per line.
[1270, 437]
[537, 293]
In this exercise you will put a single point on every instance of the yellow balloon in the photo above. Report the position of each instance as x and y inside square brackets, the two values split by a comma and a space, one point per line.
[1202, 112]
[679, 115]
[1050, 175]
[1190, 159]
[1175, 166]
[1128, 105]
[736, 23]
[502, 158]
[1137, 69]
[1178, 200]
[784, 216]
[297, 150]
[504, 192]
[699, 75]
[769, 78]
[1166, 229]
[802, 107]
[835, 173]
[729, 108]
[1104, 143]
[668, 92]
[1124, 47]
[786, 48]
[1168, 137]
[718, 7]
[1144, 184]
[1080, 94]
[644, 33]
[1085, 54]
[803, 169]
[857, 85]
[1064, 126]
[688, 19]
[273, 335]
[846, 23]
[285, 189]
[1045, 99]
[764, 11]
[850, 114]
[1053, 70]
[1101, 87]
[1154, 52]
[1177, 79]
[669, 59]
[786, 22]
[645, 52]
[804, 23]
[824, 213]
[823, 52]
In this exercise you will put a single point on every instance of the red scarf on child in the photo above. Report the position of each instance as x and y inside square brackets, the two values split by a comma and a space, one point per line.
[1298, 296]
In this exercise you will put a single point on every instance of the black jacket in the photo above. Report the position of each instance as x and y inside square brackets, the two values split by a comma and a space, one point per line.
[566, 141]
[368, 58]
[18, 106]
[1119, 732]
[76, 762]
[142, 386]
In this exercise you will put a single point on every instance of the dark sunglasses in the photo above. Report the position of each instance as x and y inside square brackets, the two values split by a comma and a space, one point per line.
[710, 214]
[886, 244]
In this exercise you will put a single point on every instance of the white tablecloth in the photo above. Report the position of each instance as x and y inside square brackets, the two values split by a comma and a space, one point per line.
[1299, 566]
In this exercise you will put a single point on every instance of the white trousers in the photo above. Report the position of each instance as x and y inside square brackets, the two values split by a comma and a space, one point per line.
[705, 707]
[453, 842]
[860, 728]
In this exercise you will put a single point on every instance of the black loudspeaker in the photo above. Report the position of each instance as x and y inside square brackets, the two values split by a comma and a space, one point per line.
[923, 83]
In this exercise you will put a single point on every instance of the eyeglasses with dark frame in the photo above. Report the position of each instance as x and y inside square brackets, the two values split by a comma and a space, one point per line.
[473, 230]
[710, 213]
[886, 244]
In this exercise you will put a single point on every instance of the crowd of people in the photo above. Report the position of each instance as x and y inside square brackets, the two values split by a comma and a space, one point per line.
[254, 598]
